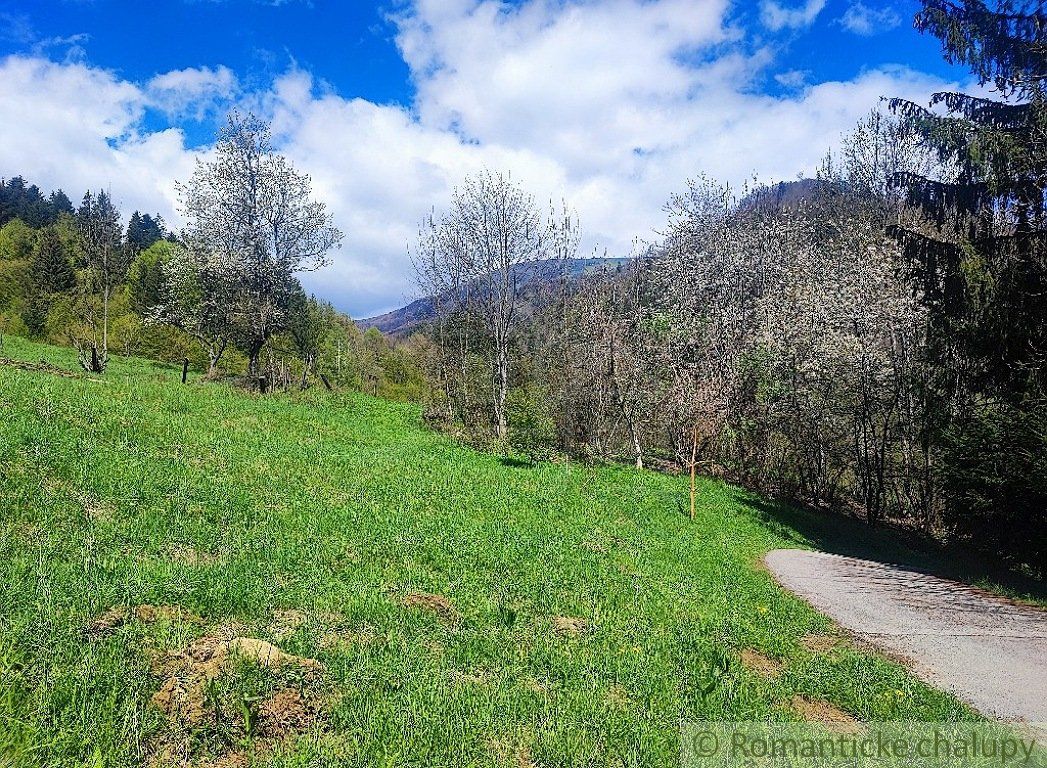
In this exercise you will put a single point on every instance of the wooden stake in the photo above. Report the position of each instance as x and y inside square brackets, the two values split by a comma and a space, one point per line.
[694, 463]
[185, 369]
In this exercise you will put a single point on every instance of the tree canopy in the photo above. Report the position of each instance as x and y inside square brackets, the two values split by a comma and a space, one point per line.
[977, 245]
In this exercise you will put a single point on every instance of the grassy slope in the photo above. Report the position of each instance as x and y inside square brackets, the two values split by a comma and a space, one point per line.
[343, 504]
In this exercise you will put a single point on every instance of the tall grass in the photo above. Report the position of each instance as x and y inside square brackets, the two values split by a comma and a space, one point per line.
[134, 489]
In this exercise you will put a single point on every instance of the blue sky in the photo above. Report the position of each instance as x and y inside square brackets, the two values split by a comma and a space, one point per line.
[610, 104]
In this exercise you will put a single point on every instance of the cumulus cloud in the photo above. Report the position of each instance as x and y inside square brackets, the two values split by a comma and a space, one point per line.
[77, 127]
[863, 20]
[776, 16]
[609, 104]
[192, 92]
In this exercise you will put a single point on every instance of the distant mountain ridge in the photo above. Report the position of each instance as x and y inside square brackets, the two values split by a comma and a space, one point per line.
[406, 319]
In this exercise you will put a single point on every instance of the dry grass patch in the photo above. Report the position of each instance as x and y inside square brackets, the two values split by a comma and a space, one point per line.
[43, 367]
[476, 676]
[829, 715]
[117, 616]
[537, 687]
[344, 638]
[617, 697]
[509, 753]
[570, 626]
[286, 623]
[763, 665]
[186, 555]
[818, 644]
[437, 604]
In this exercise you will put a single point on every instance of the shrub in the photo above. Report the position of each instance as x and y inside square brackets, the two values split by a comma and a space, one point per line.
[532, 432]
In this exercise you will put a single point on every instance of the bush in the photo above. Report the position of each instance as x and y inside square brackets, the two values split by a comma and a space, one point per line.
[532, 432]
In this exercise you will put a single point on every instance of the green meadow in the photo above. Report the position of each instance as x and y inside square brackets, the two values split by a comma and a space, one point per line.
[440, 606]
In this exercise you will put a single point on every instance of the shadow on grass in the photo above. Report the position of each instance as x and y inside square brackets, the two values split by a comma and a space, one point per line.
[842, 535]
[512, 461]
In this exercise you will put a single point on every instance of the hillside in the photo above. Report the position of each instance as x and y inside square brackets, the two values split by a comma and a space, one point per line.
[402, 321]
[442, 606]
[787, 195]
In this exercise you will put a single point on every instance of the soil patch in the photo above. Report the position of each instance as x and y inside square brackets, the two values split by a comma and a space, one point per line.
[209, 718]
[264, 654]
[286, 713]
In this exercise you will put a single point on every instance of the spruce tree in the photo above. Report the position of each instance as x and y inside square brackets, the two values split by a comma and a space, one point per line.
[143, 230]
[60, 203]
[52, 271]
[979, 254]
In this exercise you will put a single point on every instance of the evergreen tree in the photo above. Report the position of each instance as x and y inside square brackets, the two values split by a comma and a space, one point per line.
[19, 200]
[143, 230]
[52, 271]
[60, 203]
[979, 254]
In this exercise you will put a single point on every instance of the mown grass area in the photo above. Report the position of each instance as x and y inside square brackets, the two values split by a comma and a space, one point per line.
[465, 610]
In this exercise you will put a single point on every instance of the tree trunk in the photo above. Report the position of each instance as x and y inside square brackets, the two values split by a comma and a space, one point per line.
[214, 354]
[501, 392]
[105, 325]
[305, 372]
[630, 423]
[253, 355]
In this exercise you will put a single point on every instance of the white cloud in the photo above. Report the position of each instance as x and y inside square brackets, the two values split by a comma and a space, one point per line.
[792, 78]
[776, 16]
[611, 104]
[192, 92]
[863, 20]
[77, 127]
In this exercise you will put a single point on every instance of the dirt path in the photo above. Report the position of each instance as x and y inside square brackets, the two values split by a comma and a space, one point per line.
[984, 649]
